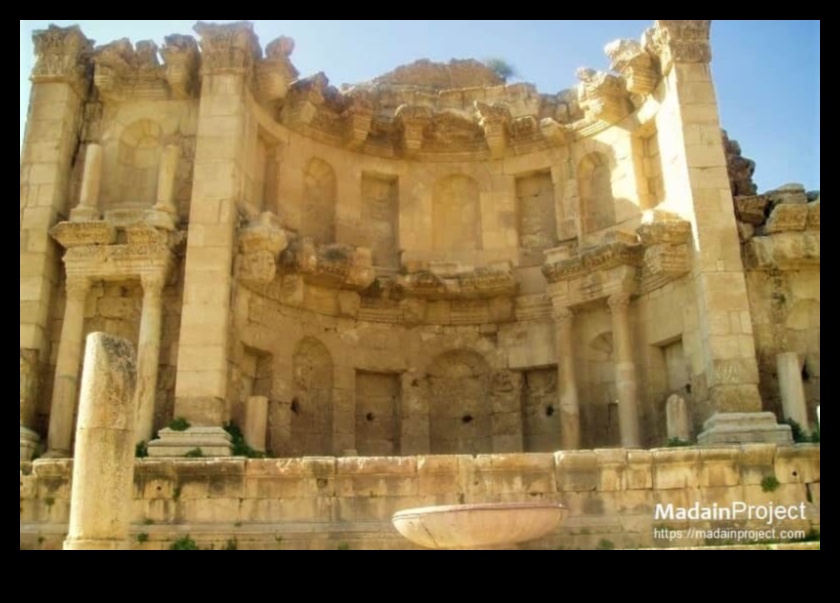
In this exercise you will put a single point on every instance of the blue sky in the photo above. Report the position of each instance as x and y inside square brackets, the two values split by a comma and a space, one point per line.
[767, 72]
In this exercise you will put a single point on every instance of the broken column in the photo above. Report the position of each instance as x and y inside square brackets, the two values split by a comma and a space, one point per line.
[88, 208]
[256, 422]
[103, 468]
[679, 419]
[792, 389]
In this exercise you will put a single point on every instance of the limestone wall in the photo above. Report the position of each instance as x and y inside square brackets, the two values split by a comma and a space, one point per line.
[328, 503]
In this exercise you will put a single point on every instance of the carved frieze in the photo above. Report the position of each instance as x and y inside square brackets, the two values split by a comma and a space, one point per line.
[123, 71]
[440, 283]
[331, 266]
[787, 218]
[603, 97]
[62, 54]
[228, 48]
[636, 64]
[598, 259]
[81, 234]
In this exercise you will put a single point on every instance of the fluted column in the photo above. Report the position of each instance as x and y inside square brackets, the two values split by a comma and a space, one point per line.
[567, 380]
[65, 390]
[148, 355]
[625, 372]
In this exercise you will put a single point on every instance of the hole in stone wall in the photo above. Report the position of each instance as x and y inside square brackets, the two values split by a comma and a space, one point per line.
[467, 419]
[296, 406]
[370, 417]
[806, 374]
[688, 389]
[549, 412]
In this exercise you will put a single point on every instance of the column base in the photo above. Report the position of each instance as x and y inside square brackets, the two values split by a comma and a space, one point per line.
[211, 441]
[97, 545]
[744, 428]
[85, 214]
[29, 443]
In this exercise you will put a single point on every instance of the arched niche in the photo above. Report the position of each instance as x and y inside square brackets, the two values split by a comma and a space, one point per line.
[319, 202]
[138, 161]
[460, 409]
[457, 214]
[312, 408]
[597, 198]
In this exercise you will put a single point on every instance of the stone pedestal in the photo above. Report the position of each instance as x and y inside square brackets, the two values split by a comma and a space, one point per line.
[679, 419]
[256, 422]
[103, 468]
[792, 389]
[744, 428]
[211, 441]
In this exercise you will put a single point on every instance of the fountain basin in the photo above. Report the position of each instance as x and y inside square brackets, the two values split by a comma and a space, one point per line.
[487, 526]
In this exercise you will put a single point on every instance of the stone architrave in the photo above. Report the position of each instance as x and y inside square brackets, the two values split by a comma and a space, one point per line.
[103, 468]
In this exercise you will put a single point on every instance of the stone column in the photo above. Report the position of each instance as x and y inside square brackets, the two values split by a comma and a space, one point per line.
[625, 372]
[697, 188]
[148, 355]
[60, 81]
[792, 389]
[229, 53]
[88, 208]
[29, 440]
[678, 419]
[65, 389]
[103, 468]
[567, 380]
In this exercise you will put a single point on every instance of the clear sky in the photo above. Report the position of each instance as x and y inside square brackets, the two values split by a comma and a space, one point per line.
[767, 72]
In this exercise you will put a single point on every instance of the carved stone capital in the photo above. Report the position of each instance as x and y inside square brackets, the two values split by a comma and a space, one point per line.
[181, 59]
[619, 302]
[78, 288]
[680, 41]
[227, 48]
[153, 283]
[62, 55]
[564, 317]
[359, 119]
[494, 120]
[413, 120]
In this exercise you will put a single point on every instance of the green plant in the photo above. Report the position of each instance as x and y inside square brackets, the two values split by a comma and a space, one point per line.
[180, 424]
[232, 545]
[142, 538]
[770, 484]
[141, 451]
[49, 502]
[239, 446]
[343, 547]
[184, 544]
[195, 454]
[815, 437]
[176, 493]
[502, 68]
[606, 545]
[148, 522]
[678, 443]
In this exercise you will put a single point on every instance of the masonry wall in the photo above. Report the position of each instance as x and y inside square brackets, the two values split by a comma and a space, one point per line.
[329, 504]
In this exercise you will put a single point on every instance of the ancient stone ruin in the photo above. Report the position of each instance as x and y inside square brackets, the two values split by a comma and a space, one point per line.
[366, 281]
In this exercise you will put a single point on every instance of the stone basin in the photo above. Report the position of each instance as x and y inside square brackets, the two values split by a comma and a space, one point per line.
[476, 527]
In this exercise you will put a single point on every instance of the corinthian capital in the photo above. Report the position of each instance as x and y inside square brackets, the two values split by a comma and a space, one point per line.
[619, 301]
[680, 41]
[63, 55]
[232, 47]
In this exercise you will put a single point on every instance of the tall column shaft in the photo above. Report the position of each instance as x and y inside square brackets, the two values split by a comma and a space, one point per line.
[65, 389]
[567, 381]
[148, 356]
[88, 208]
[103, 468]
[166, 179]
[625, 372]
